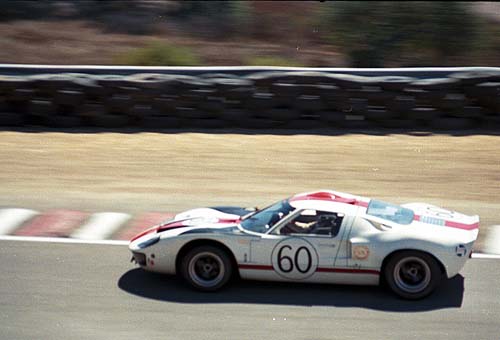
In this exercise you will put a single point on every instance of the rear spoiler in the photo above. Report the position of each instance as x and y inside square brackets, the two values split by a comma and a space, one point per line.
[431, 214]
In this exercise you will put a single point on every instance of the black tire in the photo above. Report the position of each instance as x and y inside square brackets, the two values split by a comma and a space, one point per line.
[424, 113]
[234, 115]
[239, 93]
[208, 123]
[41, 108]
[291, 90]
[304, 124]
[476, 77]
[308, 104]
[398, 123]
[421, 278]
[161, 122]
[20, 95]
[258, 123]
[213, 106]
[401, 104]
[119, 104]
[435, 84]
[206, 268]
[453, 123]
[141, 111]
[61, 121]
[11, 119]
[468, 112]
[350, 81]
[358, 105]
[69, 98]
[394, 83]
[110, 121]
[261, 101]
[491, 122]
[378, 114]
[283, 114]
[332, 117]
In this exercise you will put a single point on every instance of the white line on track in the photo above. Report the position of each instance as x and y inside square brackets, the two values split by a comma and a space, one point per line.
[10, 219]
[125, 243]
[100, 226]
[492, 242]
[485, 256]
[62, 240]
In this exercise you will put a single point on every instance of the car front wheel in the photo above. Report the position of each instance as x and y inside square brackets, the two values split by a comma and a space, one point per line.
[412, 274]
[206, 268]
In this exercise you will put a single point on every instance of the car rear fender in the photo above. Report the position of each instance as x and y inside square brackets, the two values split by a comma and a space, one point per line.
[388, 256]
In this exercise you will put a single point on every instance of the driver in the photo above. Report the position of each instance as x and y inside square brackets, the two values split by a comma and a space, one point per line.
[306, 225]
[298, 227]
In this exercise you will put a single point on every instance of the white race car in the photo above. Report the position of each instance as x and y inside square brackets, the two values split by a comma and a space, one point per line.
[321, 237]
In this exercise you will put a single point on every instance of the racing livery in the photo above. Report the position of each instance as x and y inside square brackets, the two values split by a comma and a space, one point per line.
[322, 237]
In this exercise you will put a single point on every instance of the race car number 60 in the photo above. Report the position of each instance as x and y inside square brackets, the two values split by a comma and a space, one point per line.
[294, 259]
[295, 262]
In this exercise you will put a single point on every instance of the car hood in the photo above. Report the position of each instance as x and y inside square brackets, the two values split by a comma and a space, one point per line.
[201, 218]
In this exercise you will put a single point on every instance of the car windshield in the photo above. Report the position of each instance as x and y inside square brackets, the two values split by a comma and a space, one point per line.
[391, 212]
[262, 220]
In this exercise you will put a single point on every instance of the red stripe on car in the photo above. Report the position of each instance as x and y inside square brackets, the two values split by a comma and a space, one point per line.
[450, 224]
[326, 196]
[319, 270]
[462, 225]
[141, 223]
[229, 220]
[348, 271]
[255, 266]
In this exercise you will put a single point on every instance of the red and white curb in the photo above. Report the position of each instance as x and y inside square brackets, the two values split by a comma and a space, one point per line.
[101, 226]
[10, 219]
[52, 223]
[72, 224]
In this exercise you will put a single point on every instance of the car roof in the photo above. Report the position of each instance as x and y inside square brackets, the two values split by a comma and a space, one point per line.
[329, 200]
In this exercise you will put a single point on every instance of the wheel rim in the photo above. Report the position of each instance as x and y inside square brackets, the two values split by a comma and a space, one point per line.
[412, 274]
[206, 269]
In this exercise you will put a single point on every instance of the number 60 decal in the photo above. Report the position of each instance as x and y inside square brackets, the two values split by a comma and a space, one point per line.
[294, 259]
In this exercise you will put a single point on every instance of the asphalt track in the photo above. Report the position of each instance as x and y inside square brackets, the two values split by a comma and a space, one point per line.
[92, 291]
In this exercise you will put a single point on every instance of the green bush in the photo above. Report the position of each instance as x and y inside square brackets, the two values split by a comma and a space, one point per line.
[271, 61]
[159, 54]
[377, 32]
[214, 19]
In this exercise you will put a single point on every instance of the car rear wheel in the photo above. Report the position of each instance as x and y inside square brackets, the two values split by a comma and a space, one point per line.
[206, 268]
[412, 274]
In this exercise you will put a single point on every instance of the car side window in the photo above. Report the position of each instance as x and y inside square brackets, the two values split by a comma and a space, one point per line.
[313, 222]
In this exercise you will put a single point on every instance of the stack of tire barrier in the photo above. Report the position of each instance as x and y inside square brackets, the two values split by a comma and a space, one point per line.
[297, 100]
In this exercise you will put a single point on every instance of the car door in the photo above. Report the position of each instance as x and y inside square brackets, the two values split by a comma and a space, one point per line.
[303, 244]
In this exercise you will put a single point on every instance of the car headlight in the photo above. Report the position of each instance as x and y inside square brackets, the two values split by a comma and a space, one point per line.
[148, 243]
